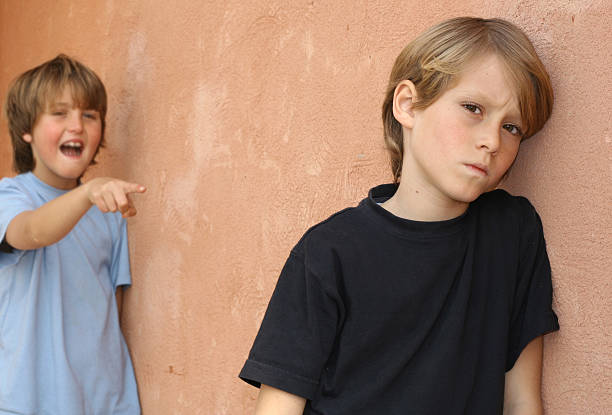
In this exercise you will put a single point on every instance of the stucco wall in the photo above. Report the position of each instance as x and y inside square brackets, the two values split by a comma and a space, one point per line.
[251, 121]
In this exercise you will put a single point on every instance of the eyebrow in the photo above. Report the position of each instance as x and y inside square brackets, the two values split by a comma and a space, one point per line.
[513, 114]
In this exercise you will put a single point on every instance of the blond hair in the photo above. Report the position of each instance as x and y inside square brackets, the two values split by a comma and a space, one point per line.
[34, 90]
[435, 59]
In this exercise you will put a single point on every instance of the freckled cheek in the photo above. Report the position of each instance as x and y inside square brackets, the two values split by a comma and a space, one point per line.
[94, 131]
[450, 134]
[48, 138]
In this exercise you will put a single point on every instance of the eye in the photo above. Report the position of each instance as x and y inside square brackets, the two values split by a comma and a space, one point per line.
[513, 129]
[58, 113]
[92, 115]
[473, 108]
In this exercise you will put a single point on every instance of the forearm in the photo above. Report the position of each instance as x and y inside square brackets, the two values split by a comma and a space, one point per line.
[523, 383]
[524, 409]
[52, 221]
[49, 223]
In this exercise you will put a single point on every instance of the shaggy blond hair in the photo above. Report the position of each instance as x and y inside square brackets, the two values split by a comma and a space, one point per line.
[435, 59]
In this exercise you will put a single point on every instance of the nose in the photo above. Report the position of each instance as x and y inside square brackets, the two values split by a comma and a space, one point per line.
[489, 139]
[75, 122]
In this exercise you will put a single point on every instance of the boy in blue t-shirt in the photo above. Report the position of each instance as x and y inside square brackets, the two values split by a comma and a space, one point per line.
[64, 253]
[432, 295]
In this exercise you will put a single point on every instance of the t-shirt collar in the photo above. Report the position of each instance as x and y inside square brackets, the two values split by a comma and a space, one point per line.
[396, 224]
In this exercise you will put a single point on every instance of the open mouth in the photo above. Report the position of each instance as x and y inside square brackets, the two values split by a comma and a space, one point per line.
[71, 149]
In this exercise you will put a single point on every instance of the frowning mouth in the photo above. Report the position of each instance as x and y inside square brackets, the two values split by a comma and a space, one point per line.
[478, 168]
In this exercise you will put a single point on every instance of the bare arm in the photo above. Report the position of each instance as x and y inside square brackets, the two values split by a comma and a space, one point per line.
[523, 382]
[272, 401]
[119, 297]
[52, 221]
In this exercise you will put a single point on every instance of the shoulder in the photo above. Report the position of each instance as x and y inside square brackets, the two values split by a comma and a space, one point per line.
[319, 253]
[18, 183]
[509, 216]
[27, 188]
[501, 198]
[501, 204]
[339, 228]
[18, 193]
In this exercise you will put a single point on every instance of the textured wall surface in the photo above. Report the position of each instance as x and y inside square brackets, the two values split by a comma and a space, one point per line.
[251, 121]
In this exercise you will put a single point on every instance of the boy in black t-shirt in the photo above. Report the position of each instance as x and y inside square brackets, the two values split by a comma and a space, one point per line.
[432, 295]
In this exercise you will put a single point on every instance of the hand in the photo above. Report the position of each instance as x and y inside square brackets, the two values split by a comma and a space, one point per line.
[112, 195]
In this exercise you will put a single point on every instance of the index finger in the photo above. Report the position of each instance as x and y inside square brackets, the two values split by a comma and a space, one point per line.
[133, 188]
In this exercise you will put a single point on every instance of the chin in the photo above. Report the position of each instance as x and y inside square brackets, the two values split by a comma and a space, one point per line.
[467, 196]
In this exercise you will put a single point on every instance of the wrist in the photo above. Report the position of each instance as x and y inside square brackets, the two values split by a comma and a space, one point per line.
[84, 192]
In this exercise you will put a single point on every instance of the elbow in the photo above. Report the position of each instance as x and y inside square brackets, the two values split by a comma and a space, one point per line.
[38, 240]
[25, 232]
[28, 240]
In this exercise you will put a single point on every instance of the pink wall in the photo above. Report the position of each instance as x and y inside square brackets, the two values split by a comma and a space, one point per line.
[251, 121]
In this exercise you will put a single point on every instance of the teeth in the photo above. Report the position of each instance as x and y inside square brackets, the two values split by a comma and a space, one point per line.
[72, 144]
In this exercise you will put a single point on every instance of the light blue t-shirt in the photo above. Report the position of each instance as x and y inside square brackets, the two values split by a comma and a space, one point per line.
[61, 347]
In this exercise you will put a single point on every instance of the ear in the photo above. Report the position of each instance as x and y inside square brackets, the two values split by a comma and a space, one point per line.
[404, 98]
[27, 137]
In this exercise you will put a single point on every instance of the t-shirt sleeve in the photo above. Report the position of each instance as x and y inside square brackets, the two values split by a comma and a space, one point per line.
[12, 202]
[532, 313]
[120, 261]
[297, 333]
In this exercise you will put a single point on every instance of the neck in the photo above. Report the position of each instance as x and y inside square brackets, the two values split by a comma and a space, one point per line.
[411, 202]
[58, 183]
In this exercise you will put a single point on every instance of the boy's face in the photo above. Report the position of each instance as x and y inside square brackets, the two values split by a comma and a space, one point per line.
[64, 140]
[462, 145]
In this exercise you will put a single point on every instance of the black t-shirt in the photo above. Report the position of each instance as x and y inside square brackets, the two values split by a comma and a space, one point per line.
[375, 314]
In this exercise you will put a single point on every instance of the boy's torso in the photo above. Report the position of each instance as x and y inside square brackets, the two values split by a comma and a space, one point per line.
[423, 309]
[62, 349]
